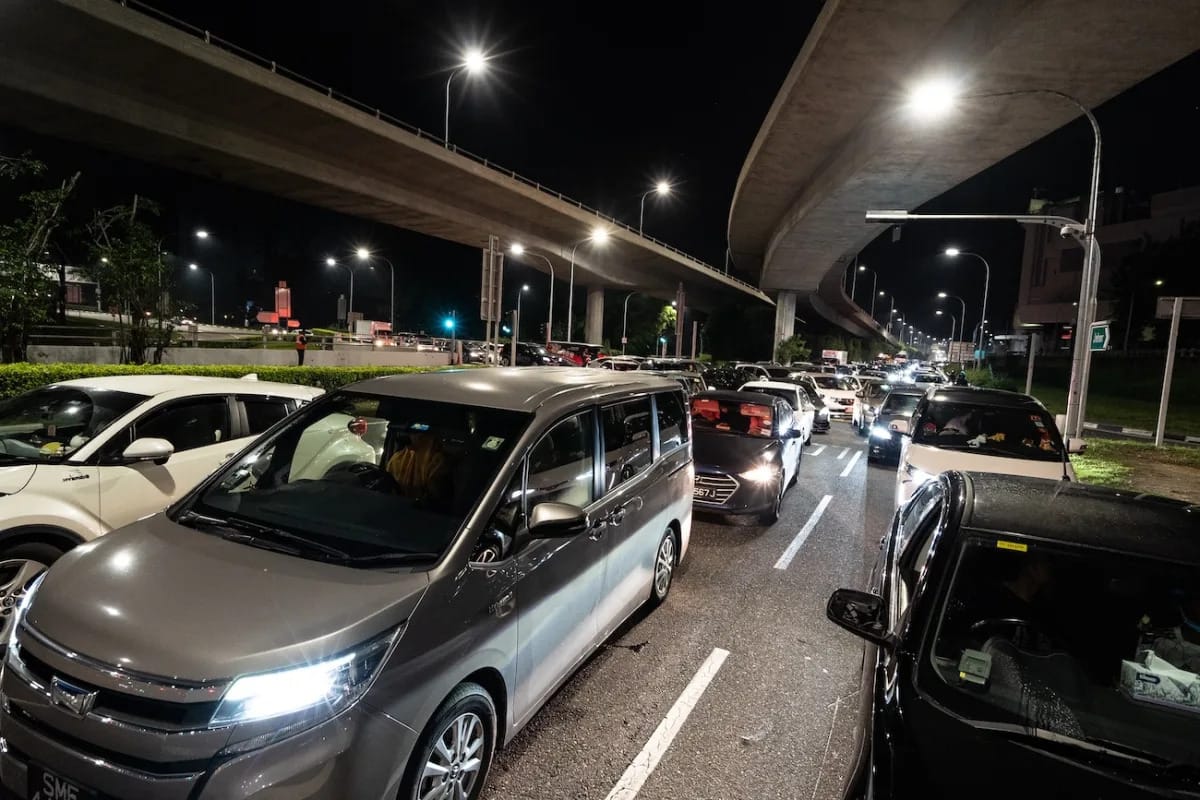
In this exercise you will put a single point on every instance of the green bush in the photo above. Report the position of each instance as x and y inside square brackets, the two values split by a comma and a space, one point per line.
[987, 379]
[21, 377]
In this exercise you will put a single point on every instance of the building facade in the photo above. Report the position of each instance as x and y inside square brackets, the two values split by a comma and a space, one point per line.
[1052, 266]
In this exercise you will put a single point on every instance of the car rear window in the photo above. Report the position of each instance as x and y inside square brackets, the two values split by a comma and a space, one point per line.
[732, 416]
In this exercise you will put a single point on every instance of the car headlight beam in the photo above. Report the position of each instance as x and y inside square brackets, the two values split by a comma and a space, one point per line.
[334, 683]
[880, 432]
[763, 473]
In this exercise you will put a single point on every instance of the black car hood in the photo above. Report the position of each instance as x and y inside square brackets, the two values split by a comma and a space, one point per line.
[729, 452]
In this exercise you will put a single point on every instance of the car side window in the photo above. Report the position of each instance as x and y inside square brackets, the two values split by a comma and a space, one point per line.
[562, 463]
[627, 446]
[672, 421]
[263, 412]
[188, 424]
[786, 417]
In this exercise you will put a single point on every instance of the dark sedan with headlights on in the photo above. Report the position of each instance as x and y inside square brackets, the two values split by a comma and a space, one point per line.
[1029, 638]
[746, 448]
[883, 443]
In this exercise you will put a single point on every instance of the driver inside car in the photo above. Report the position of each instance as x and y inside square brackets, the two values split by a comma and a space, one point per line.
[421, 469]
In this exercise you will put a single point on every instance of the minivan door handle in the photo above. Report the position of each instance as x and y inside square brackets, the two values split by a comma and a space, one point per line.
[504, 604]
[599, 526]
[633, 505]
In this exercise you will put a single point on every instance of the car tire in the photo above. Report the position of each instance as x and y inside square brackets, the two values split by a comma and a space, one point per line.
[471, 709]
[666, 559]
[20, 565]
[504, 361]
[772, 516]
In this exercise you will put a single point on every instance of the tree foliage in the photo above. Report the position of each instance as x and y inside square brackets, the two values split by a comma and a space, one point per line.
[127, 263]
[792, 349]
[27, 283]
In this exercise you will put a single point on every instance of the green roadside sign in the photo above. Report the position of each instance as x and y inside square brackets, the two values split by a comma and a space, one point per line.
[1100, 336]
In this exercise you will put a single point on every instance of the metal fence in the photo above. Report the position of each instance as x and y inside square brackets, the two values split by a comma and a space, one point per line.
[208, 38]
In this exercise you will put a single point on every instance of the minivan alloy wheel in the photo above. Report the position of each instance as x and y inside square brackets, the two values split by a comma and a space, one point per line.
[454, 765]
[16, 575]
[664, 566]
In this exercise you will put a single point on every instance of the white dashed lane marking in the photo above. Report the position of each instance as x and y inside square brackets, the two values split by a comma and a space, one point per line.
[794, 547]
[644, 763]
[853, 461]
[816, 451]
[845, 452]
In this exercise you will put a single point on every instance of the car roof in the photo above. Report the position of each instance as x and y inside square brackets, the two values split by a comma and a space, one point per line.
[983, 397]
[155, 385]
[785, 386]
[916, 391]
[1079, 513]
[517, 388]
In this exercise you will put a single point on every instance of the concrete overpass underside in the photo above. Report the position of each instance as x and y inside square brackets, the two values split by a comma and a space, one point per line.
[96, 72]
[839, 139]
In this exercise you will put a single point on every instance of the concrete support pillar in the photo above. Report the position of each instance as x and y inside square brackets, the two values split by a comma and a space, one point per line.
[785, 318]
[593, 325]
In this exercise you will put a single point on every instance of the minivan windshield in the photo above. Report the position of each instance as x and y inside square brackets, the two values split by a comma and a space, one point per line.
[363, 478]
[1073, 644]
[1005, 431]
[49, 424]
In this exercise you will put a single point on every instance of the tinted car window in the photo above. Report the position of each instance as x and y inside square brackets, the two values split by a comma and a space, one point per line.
[188, 424]
[989, 430]
[562, 465]
[369, 475]
[672, 421]
[835, 382]
[1083, 644]
[263, 412]
[48, 424]
[900, 404]
[731, 416]
[627, 446]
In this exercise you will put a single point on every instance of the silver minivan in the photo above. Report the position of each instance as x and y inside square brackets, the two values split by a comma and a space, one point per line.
[364, 603]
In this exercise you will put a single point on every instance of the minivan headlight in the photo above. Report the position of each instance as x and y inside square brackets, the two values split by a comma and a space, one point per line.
[334, 683]
[763, 473]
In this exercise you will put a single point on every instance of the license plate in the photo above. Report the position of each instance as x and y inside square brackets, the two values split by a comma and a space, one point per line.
[704, 493]
[45, 785]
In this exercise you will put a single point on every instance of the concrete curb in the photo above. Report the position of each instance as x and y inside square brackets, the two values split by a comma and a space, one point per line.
[1140, 433]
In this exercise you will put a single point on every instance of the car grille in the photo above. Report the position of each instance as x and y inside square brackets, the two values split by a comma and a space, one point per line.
[722, 485]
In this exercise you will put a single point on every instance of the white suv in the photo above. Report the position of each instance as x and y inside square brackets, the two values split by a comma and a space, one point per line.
[80, 458]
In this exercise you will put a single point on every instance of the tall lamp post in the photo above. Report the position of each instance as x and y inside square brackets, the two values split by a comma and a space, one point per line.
[954, 252]
[662, 189]
[874, 285]
[952, 323]
[333, 262]
[936, 98]
[518, 249]
[624, 321]
[597, 236]
[516, 334]
[473, 63]
[212, 287]
[366, 256]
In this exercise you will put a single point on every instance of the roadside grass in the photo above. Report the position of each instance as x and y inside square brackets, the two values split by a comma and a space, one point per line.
[1183, 414]
[1119, 463]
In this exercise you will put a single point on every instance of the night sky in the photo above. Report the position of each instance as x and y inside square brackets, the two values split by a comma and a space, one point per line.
[598, 104]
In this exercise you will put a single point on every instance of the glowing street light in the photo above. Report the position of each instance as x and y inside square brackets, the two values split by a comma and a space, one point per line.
[330, 261]
[366, 255]
[598, 236]
[201, 234]
[662, 189]
[518, 249]
[933, 98]
[473, 62]
[212, 287]
[954, 252]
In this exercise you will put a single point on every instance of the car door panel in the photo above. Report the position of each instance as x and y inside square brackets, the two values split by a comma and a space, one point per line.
[561, 577]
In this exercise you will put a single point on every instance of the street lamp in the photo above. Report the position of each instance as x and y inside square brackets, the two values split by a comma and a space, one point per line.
[874, 286]
[936, 97]
[212, 287]
[516, 329]
[662, 189]
[330, 261]
[473, 63]
[201, 233]
[598, 236]
[953, 324]
[518, 249]
[366, 255]
[954, 252]
[625, 321]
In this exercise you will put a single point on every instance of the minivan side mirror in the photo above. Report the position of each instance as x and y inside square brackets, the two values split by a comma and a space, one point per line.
[862, 614]
[899, 426]
[1075, 445]
[158, 451]
[552, 520]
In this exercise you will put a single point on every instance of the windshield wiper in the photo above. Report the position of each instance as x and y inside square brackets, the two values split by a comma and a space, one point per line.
[240, 529]
[259, 529]
[379, 559]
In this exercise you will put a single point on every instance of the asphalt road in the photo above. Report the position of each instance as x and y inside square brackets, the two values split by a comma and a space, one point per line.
[775, 718]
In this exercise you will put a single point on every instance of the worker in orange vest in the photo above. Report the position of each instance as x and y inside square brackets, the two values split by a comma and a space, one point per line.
[301, 346]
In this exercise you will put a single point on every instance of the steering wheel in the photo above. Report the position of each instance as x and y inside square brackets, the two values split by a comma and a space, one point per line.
[364, 474]
[1025, 634]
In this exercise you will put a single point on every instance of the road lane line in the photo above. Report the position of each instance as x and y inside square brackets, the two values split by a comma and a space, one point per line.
[853, 461]
[816, 451]
[794, 547]
[845, 452]
[644, 762]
